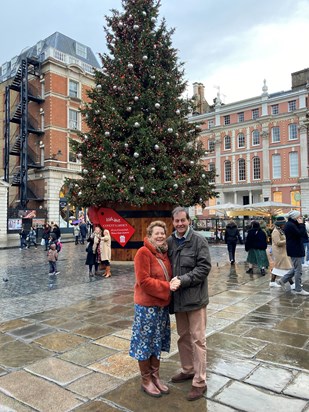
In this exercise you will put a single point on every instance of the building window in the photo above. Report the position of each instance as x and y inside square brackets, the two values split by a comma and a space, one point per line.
[275, 109]
[292, 131]
[81, 50]
[241, 117]
[211, 123]
[227, 119]
[241, 140]
[293, 157]
[292, 105]
[255, 138]
[227, 171]
[72, 154]
[255, 114]
[227, 142]
[241, 169]
[73, 119]
[211, 145]
[256, 168]
[277, 196]
[275, 134]
[276, 161]
[73, 89]
[212, 168]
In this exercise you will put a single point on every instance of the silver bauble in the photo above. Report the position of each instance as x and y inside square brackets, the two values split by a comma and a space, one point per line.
[145, 58]
[170, 130]
[136, 27]
[141, 189]
[104, 177]
[175, 186]
[156, 147]
[136, 98]
[157, 105]
[107, 134]
[177, 112]
[136, 155]
[130, 66]
[136, 125]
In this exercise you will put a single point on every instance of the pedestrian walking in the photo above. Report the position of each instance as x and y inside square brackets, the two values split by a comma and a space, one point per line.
[56, 230]
[282, 263]
[106, 252]
[190, 259]
[23, 237]
[256, 245]
[83, 231]
[151, 332]
[231, 237]
[46, 234]
[295, 249]
[52, 257]
[32, 238]
[76, 232]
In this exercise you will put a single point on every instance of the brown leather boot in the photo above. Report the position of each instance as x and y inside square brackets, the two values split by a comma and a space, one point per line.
[108, 272]
[147, 384]
[155, 366]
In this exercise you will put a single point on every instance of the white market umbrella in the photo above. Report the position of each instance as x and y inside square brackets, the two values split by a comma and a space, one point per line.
[224, 207]
[269, 207]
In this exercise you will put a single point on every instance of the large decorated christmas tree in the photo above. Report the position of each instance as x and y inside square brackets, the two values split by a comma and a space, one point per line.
[140, 147]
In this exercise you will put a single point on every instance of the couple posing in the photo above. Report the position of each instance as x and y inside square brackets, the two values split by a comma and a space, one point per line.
[171, 277]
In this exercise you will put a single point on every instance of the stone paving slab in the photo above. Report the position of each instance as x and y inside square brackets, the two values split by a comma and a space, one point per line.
[299, 387]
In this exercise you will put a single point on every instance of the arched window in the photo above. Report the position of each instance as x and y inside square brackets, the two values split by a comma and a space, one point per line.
[241, 169]
[227, 171]
[241, 140]
[227, 142]
[256, 162]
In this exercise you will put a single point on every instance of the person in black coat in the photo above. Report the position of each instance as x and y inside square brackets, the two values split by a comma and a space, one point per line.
[92, 258]
[295, 249]
[83, 231]
[256, 245]
[231, 236]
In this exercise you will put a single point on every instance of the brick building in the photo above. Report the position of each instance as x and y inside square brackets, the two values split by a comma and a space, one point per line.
[41, 92]
[259, 146]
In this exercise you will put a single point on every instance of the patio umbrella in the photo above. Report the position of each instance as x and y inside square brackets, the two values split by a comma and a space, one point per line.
[269, 207]
[224, 206]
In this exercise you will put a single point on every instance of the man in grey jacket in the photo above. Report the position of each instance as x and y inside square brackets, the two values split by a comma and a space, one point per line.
[190, 260]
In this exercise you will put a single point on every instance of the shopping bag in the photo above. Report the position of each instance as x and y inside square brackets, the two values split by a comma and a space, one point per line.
[43, 242]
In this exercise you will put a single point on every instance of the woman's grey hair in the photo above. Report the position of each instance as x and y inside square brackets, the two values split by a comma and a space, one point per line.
[153, 224]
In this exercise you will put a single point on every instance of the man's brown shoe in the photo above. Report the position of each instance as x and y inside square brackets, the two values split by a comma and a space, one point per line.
[196, 393]
[181, 377]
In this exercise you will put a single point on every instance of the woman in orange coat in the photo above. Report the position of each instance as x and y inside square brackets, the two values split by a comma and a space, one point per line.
[151, 332]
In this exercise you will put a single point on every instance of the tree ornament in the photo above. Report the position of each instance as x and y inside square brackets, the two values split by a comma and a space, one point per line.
[115, 87]
[192, 162]
[126, 145]
[153, 169]
[170, 130]
[142, 189]
[86, 137]
[80, 193]
[104, 177]
[99, 87]
[85, 171]
[153, 19]
[136, 155]
[136, 98]
[157, 105]
[183, 192]
[120, 24]
[177, 112]
[97, 112]
[129, 109]
[119, 172]
[153, 77]
[136, 27]
[156, 147]
[144, 13]
[107, 134]
[174, 172]
[79, 155]
[136, 125]
[168, 83]
[130, 66]
[175, 186]
[131, 178]
[153, 191]
[145, 58]
[189, 180]
[203, 176]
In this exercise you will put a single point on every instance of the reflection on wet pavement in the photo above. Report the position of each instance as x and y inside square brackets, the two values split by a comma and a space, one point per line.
[65, 347]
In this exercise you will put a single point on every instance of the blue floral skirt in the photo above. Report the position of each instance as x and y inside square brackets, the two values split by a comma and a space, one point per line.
[151, 332]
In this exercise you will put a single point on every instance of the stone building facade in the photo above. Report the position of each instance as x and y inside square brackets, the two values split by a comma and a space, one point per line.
[259, 146]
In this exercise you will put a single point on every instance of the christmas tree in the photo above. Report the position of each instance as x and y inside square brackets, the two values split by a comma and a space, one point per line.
[140, 147]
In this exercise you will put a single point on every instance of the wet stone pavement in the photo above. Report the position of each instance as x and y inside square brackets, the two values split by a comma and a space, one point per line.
[64, 340]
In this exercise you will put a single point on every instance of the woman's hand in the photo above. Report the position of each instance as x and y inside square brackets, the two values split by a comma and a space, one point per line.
[175, 284]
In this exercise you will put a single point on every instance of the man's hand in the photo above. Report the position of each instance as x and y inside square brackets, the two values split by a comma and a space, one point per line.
[174, 284]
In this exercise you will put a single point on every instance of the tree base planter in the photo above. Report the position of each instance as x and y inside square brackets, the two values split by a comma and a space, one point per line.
[139, 218]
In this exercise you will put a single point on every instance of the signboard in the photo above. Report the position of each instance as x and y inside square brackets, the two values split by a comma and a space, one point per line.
[14, 224]
[118, 227]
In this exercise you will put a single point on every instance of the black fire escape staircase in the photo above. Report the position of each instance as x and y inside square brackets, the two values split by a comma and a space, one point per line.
[18, 144]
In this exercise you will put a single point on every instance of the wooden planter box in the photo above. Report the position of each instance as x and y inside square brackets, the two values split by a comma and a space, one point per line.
[139, 218]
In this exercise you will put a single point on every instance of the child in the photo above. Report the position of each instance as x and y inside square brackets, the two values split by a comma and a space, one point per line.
[76, 231]
[52, 257]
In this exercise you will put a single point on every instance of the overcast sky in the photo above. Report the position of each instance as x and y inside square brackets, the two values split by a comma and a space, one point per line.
[233, 44]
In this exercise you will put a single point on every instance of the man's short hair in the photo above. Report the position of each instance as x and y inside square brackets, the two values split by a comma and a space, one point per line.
[179, 209]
